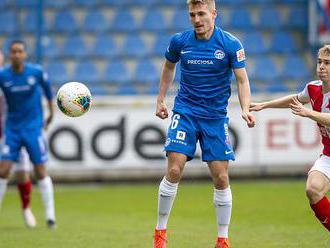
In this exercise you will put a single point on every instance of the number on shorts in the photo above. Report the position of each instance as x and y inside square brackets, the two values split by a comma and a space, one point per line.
[175, 121]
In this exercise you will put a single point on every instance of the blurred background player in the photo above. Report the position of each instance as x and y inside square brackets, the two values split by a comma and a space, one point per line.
[318, 94]
[22, 170]
[208, 55]
[21, 84]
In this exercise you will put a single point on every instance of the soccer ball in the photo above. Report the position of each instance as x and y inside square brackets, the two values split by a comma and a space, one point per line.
[74, 99]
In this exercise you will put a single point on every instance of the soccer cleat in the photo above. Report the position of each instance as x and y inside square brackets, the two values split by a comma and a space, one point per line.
[51, 224]
[160, 238]
[222, 243]
[29, 219]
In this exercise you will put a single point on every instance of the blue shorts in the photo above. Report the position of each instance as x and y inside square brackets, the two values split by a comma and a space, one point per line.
[212, 134]
[31, 139]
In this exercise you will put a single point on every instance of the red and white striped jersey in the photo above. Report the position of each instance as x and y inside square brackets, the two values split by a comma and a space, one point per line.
[321, 103]
[2, 103]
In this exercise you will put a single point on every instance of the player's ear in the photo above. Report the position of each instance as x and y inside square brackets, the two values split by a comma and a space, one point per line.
[215, 13]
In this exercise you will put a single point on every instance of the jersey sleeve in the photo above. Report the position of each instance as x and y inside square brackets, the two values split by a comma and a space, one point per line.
[237, 54]
[303, 96]
[45, 84]
[172, 53]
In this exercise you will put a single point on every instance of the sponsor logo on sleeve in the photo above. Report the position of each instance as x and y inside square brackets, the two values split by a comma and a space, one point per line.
[240, 54]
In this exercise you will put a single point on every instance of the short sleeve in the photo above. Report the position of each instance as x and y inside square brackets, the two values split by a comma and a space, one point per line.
[173, 50]
[237, 54]
[1, 78]
[303, 96]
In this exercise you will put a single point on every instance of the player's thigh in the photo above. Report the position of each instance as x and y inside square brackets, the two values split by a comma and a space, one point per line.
[11, 145]
[181, 135]
[23, 163]
[36, 146]
[214, 140]
[319, 175]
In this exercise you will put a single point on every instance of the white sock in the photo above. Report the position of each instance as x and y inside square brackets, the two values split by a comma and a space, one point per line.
[3, 188]
[166, 195]
[223, 205]
[47, 194]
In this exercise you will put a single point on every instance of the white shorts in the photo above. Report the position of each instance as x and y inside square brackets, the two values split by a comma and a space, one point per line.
[322, 164]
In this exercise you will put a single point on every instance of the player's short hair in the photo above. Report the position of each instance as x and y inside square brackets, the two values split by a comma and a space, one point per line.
[14, 42]
[325, 50]
[209, 3]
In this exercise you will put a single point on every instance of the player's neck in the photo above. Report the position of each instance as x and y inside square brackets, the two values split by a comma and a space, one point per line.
[205, 36]
[18, 68]
[325, 87]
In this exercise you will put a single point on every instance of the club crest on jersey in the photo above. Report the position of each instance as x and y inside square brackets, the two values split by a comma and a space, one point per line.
[219, 54]
[31, 80]
[240, 54]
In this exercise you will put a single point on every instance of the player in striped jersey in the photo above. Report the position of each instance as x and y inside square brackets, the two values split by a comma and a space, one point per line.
[318, 94]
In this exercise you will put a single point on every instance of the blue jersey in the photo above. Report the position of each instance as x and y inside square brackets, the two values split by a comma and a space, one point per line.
[206, 70]
[23, 95]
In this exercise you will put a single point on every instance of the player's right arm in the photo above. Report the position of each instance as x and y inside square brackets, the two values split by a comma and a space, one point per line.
[166, 79]
[283, 102]
[172, 56]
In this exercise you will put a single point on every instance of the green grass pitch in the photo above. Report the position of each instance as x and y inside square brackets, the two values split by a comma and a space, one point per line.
[266, 214]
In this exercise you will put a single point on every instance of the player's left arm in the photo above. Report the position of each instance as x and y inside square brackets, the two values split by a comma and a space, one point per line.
[45, 84]
[244, 95]
[298, 108]
[50, 116]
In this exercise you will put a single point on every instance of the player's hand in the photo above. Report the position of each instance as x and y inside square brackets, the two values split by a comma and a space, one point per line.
[298, 109]
[255, 106]
[48, 121]
[249, 118]
[161, 110]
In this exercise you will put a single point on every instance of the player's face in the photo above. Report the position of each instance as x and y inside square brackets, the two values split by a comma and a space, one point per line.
[17, 54]
[323, 68]
[202, 18]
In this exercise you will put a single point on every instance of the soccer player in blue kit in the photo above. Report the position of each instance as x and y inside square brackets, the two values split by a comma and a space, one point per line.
[21, 170]
[208, 57]
[22, 85]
